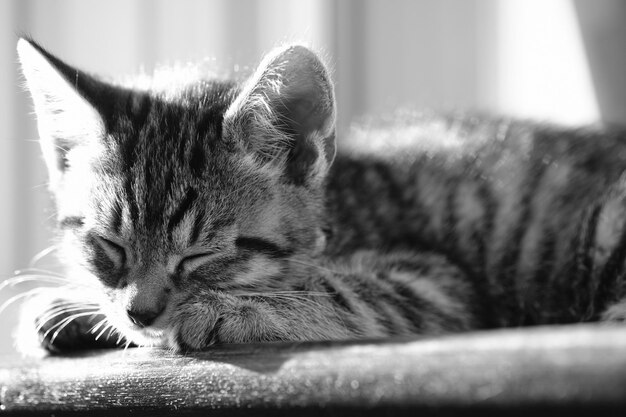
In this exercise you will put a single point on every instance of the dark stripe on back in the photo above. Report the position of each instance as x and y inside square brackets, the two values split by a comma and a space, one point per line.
[489, 215]
[387, 295]
[584, 245]
[339, 299]
[391, 186]
[450, 217]
[609, 277]
[371, 293]
[411, 306]
[183, 208]
[425, 309]
[420, 216]
[540, 280]
[512, 248]
[476, 271]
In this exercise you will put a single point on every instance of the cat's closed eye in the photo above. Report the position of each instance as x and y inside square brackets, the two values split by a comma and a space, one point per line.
[192, 262]
[115, 251]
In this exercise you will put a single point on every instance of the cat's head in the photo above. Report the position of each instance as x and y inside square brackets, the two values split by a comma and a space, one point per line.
[209, 185]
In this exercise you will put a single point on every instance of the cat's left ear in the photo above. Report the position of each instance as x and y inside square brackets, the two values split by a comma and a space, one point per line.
[286, 114]
[65, 103]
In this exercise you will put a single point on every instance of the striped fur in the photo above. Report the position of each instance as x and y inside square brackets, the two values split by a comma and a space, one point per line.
[216, 212]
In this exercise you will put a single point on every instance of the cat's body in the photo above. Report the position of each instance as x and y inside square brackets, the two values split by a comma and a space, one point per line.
[219, 212]
[532, 213]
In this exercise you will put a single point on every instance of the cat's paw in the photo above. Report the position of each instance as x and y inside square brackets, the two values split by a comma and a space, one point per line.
[207, 318]
[195, 323]
[59, 332]
[58, 325]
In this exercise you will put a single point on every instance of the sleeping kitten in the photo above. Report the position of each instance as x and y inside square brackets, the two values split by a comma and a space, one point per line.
[219, 212]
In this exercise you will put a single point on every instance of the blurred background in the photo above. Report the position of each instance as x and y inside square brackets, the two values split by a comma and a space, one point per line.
[562, 61]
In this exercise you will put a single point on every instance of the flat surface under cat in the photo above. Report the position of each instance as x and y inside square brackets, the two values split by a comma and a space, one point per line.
[206, 211]
[571, 370]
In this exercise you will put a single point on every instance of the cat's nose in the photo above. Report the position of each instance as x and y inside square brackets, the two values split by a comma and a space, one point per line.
[143, 318]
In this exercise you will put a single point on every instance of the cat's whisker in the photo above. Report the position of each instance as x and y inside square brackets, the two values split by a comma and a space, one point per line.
[20, 296]
[42, 254]
[71, 303]
[53, 281]
[52, 215]
[298, 299]
[12, 282]
[43, 275]
[303, 293]
[46, 318]
[39, 271]
[58, 302]
[111, 331]
[126, 348]
[311, 293]
[42, 185]
[58, 331]
[104, 329]
[61, 148]
[43, 279]
[63, 323]
[66, 303]
[303, 301]
[98, 325]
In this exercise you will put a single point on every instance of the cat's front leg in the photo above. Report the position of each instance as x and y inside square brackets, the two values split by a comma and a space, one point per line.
[364, 295]
[208, 317]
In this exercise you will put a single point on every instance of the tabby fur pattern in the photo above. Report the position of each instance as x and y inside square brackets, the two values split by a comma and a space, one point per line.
[221, 212]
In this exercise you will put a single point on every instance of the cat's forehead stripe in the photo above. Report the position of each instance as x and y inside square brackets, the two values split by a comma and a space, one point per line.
[116, 216]
[131, 200]
[186, 205]
[197, 227]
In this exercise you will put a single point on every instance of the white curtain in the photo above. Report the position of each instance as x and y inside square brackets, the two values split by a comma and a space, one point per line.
[494, 55]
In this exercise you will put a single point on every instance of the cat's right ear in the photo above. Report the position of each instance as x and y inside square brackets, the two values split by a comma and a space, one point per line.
[65, 115]
[285, 115]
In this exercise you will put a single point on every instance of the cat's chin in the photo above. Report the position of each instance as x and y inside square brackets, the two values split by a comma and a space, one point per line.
[140, 336]
[146, 337]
